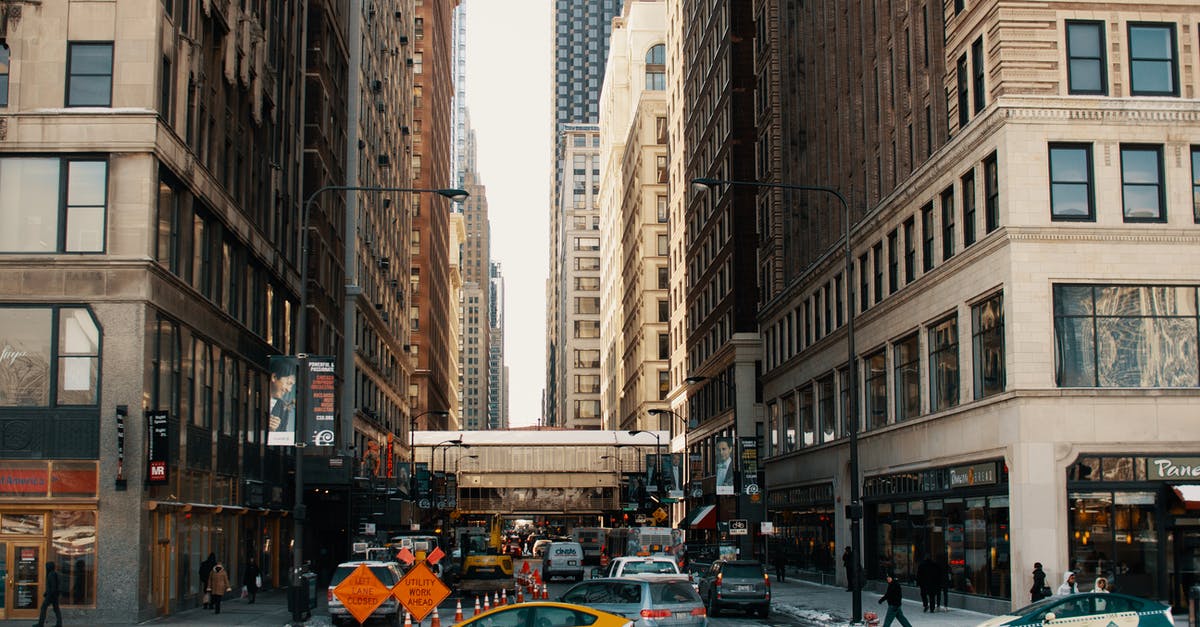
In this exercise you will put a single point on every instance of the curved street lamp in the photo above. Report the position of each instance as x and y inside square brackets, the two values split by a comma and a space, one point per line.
[854, 510]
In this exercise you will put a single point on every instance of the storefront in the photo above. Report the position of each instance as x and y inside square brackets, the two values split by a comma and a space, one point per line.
[35, 530]
[804, 529]
[956, 515]
[1135, 519]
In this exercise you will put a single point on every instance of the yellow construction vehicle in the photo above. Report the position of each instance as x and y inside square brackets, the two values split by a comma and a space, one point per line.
[484, 564]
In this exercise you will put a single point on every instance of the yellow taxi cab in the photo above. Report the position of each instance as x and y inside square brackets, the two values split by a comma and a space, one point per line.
[1092, 609]
[545, 614]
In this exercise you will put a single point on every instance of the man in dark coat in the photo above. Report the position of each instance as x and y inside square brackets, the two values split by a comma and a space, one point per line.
[250, 579]
[1038, 591]
[848, 564]
[895, 600]
[205, 569]
[50, 596]
[929, 578]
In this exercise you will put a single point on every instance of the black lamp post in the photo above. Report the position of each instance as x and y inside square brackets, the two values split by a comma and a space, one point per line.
[298, 513]
[854, 510]
[446, 446]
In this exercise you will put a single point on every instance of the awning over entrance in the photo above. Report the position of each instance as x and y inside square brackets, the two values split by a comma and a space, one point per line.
[703, 517]
[1189, 494]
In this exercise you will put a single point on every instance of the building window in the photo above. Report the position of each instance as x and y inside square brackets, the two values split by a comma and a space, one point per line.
[587, 383]
[89, 74]
[664, 346]
[906, 364]
[52, 205]
[864, 293]
[1125, 336]
[948, 223]
[664, 281]
[1196, 184]
[587, 358]
[991, 193]
[978, 76]
[1142, 191]
[968, 207]
[587, 263]
[876, 385]
[987, 339]
[1085, 58]
[964, 114]
[943, 365]
[656, 68]
[910, 251]
[664, 384]
[587, 329]
[660, 206]
[927, 237]
[587, 283]
[662, 245]
[808, 426]
[587, 243]
[1071, 192]
[877, 258]
[587, 305]
[664, 310]
[1152, 63]
[587, 410]
[51, 356]
[826, 412]
[5, 58]
[893, 251]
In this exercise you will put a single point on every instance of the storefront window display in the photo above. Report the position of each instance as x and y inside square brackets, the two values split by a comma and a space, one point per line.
[958, 516]
[74, 551]
[804, 529]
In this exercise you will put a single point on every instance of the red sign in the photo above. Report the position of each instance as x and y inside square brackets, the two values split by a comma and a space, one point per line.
[25, 481]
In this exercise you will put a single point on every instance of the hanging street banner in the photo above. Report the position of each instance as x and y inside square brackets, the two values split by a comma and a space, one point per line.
[159, 442]
[321, 383]
[281, 416]
[749, 465]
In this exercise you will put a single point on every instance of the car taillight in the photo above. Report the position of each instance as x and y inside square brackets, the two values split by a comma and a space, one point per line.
[656, 613]
[328, 594]
[767, 581]
[700, 611]
[547, 564]
[719, 576]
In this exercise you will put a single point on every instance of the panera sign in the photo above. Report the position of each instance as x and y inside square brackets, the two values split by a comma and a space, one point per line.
[1173, 468]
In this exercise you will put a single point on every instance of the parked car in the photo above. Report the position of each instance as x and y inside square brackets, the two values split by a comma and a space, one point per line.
[545, 614]
[646, 601]
[740, 584]
[563, 559]
[388, 575]
[1088, 610]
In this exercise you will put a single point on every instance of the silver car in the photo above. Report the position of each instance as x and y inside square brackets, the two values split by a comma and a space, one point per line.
[388, 575]
[647, 601]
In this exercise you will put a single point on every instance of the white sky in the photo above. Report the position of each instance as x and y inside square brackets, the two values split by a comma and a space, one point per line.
[509, 69]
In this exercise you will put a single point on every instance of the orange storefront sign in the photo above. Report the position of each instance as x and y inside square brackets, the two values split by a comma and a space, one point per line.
[420, 591]
[361, 593]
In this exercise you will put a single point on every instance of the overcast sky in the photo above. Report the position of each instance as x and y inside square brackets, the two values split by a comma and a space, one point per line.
[508, 94]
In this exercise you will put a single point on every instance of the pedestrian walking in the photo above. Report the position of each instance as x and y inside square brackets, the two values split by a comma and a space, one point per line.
[1039, 590]
[780, 567]
[848, 563]
[218, 585]
[205, 570]
[895, 600]
[1068, 585]
[1101, 585]
[50, 596]
[929, 578]
[250, 579]
[947, 577]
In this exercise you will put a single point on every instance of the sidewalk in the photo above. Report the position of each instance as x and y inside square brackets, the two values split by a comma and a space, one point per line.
[831, 606]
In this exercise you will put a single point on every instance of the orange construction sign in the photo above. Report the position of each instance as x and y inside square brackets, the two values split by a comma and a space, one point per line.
[420, 591]
[361, 593]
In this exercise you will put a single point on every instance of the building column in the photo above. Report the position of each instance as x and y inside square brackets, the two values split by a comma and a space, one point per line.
[1037, 515]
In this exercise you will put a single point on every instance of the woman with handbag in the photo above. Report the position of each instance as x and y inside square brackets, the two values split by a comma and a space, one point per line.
[218, 585]
[1039, 590]
[250, 579]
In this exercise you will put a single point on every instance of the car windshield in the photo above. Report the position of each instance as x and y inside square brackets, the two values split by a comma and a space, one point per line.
[381, 572]
[605, 593]
[650, 567]
[673, 592]
[742, 571]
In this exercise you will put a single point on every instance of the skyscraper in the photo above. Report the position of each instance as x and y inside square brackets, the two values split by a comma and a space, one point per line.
[581, 34]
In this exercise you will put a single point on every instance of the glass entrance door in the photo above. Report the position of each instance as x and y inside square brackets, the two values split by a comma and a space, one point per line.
[23, 586]
[1187, 565]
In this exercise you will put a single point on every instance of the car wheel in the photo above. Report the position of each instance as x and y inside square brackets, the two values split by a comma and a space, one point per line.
[764, 611]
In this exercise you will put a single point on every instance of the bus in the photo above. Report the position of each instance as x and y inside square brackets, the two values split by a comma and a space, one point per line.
[633, 541]
[592, 540]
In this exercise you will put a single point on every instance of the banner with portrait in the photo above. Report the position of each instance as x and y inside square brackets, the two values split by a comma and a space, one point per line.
[724, 466]
[634, 492]
[281, 412]
[674, 475]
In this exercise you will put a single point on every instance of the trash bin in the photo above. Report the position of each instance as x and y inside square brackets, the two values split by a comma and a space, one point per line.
[1194, 606]
[303, 594]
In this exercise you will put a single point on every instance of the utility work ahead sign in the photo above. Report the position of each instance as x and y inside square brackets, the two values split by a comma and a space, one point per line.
[420, 591]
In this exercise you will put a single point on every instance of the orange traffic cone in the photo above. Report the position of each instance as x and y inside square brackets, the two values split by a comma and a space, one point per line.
[545, 593]
[487, 602]
[476, 608]
[458, 616]
[437, 620]
[520, 595]
[504, 596]
[525, 568]
[407, 619]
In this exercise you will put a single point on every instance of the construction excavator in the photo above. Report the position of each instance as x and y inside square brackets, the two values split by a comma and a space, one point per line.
[484, 567]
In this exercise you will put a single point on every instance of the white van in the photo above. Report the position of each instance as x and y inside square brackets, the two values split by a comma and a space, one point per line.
[563, 559]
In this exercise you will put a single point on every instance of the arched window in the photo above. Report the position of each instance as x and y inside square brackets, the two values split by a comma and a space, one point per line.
[656, 67]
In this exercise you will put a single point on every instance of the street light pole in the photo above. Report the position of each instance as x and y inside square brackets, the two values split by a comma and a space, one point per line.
[412, 457]
[854, 510]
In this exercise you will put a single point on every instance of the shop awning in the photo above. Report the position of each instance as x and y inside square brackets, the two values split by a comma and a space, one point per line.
[1189, 494]
[703, 517]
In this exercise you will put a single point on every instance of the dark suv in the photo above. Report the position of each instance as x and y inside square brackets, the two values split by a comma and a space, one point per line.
[740, 584]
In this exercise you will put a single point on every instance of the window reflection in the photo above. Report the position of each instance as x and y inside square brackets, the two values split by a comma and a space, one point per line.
[24, 356]
[74, 550]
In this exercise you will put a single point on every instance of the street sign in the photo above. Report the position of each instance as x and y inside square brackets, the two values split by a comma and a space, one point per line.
[768, 528]
[361, 592]
[659, 515]
[739, 527]
[420, 591]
